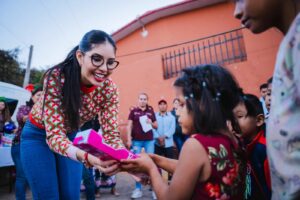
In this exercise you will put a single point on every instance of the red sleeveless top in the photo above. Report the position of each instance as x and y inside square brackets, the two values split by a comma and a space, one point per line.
[227, 170]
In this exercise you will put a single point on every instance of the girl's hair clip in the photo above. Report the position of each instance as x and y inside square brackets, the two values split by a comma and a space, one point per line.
[203, 84]
[217, 98]
[190, 96]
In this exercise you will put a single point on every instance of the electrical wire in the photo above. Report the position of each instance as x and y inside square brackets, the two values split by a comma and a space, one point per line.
[177, 44]
[54, 21]
[14, 35]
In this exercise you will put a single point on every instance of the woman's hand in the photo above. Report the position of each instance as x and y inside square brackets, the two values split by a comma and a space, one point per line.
[108, 167]
[142, 164]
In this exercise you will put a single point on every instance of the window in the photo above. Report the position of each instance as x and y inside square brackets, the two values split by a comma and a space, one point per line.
[223, 49]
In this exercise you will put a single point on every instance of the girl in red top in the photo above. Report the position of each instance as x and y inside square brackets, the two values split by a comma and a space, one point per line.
[210, 164]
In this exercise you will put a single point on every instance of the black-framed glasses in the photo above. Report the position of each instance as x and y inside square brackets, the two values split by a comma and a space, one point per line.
[97, 60]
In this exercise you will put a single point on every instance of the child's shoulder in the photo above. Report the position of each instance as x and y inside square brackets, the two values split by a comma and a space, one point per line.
[212, 139]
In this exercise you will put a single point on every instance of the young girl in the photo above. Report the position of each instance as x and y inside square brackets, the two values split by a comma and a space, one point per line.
[283, 123]
[74, 92]
[250, 116]
[210, 165]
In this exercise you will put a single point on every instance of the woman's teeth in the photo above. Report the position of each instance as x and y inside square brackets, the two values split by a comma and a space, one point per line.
[99, 75]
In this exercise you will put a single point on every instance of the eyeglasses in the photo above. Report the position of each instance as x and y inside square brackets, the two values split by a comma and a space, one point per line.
[98, 60]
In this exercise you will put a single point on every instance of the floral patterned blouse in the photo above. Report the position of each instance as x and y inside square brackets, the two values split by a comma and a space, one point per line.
[283, 126]
[103, 99]
[227, 170]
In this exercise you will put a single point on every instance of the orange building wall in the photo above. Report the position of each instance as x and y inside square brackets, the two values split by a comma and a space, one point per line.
[143, 72]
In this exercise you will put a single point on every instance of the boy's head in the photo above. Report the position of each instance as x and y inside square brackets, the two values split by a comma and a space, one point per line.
[263, 90]
[259, 15]
[249, 115]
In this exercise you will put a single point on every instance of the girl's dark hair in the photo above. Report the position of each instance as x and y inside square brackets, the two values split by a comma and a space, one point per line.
[211, 93]
[71, 70]
[252, 104]
[30, 103]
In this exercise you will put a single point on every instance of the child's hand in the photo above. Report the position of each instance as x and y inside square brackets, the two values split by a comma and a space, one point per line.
[142, 164]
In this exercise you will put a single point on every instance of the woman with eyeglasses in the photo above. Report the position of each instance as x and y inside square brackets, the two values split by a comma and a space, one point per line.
[74, 92]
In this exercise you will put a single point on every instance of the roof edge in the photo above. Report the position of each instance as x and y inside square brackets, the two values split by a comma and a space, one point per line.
[159, 13]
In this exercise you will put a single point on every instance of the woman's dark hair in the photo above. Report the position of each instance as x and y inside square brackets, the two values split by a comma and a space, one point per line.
[211, 93]
[252, 104]
[71, 71]
[6, 112]
[37, 89]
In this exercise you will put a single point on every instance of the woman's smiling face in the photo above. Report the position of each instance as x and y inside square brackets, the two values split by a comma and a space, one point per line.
[95, 63]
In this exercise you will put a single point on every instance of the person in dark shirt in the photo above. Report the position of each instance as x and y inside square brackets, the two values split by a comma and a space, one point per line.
[137, 137]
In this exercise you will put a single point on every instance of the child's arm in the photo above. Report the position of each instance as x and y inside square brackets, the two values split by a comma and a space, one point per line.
[165, 163]
[193, 166]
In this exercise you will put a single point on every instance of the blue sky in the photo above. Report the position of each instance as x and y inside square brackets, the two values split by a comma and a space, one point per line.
[54, 27]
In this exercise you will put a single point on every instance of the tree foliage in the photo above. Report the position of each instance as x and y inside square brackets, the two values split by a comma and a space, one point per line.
[11, 72]
[36, 75]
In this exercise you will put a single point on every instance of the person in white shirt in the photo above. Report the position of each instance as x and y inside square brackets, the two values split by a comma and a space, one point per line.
[163, 134]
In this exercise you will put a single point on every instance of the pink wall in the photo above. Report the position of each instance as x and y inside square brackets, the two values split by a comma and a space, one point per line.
[143, 72]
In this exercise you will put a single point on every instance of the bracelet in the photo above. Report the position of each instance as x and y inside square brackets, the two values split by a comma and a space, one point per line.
[85, 161]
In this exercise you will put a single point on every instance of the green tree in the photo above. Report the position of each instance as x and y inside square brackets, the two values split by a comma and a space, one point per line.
[10, 71]
[36, 76]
